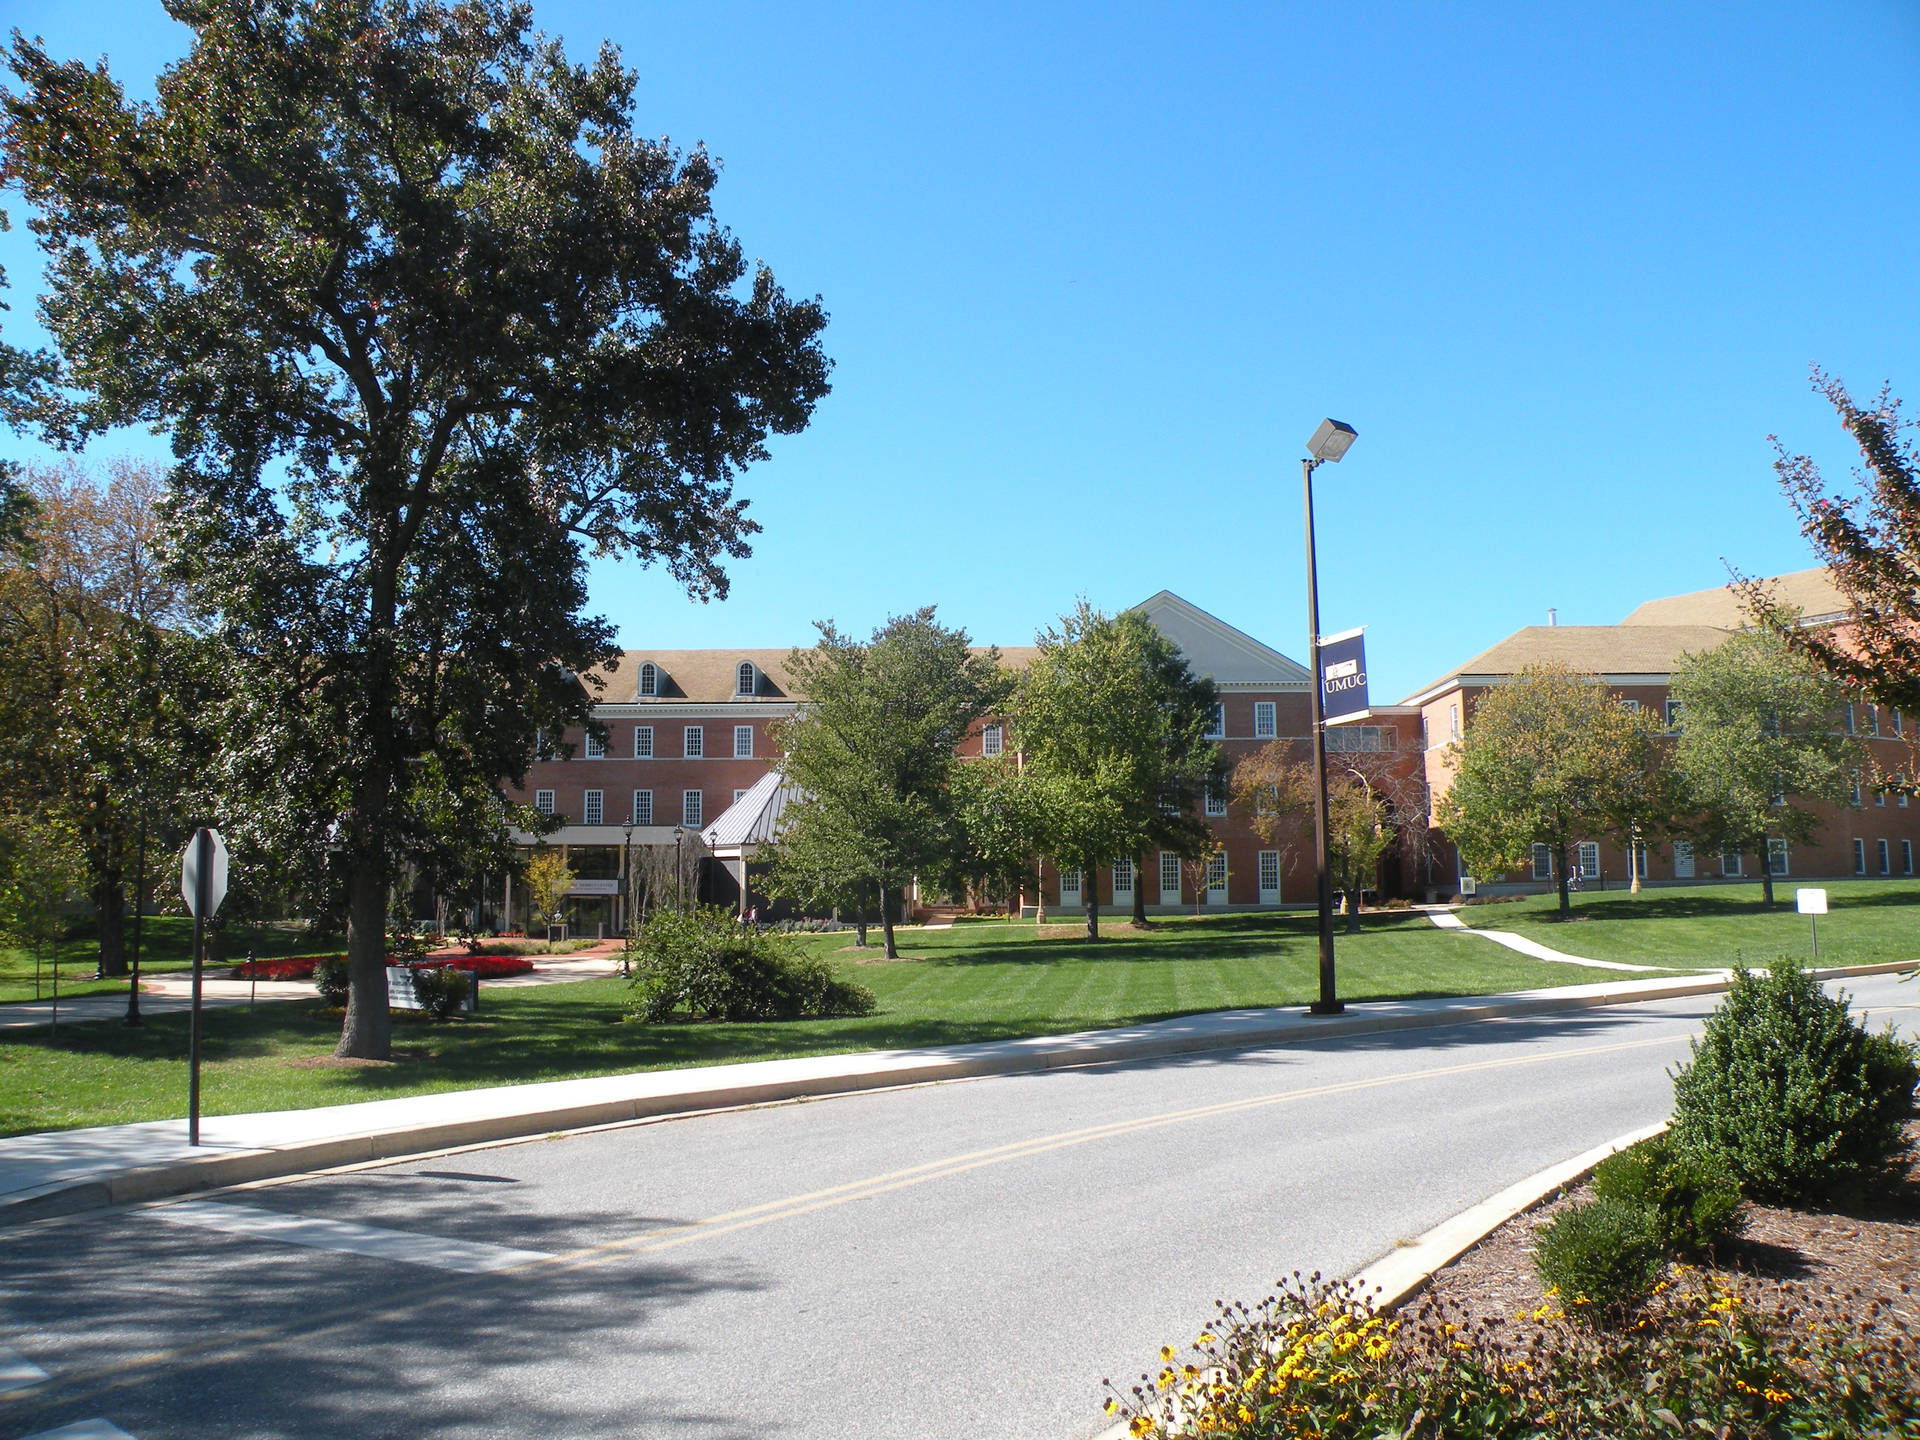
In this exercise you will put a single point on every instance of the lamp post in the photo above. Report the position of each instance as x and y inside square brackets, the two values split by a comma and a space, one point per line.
[1329, 442]
[679, 869]
[626, 894]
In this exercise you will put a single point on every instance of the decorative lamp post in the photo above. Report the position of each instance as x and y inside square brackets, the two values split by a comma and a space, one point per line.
[679, 868]
[626, 894]
[1329, 442]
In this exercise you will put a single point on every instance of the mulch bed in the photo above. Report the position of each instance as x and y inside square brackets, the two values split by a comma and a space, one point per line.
[1785, 1256]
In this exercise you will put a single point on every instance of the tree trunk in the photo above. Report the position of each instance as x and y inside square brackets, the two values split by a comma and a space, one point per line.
[1351, 900]
[1090, 879]
[367, 1031]
[1140, 896]
[860, 917]
[1566, 901]
[110, 908]
[1766, 878]
[886, 927]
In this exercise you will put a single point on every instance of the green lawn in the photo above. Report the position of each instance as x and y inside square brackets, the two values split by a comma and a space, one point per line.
[1716, 925]
[977, 981]
[166, 943]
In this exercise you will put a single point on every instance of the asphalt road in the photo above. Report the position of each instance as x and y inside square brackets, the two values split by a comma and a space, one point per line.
[943, 1261]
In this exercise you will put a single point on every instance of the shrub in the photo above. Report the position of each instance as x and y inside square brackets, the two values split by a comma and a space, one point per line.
[707, 966]
[1604, 1259]
[1315, 1360]
[1790, 1095]
[330, 977]
[440, 989]
[1694, 1204]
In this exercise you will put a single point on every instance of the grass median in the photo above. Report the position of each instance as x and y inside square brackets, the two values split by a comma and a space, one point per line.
[976, 981]
[1715, 926]
[166, 943]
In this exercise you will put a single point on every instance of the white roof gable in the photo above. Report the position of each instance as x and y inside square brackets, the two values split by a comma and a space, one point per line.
[1212, 647]
[753, 819]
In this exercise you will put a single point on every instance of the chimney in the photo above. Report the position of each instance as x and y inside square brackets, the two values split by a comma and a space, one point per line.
[1553, 616]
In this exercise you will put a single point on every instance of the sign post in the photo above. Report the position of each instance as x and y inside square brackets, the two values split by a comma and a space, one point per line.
[203, 885]
[1812, 904]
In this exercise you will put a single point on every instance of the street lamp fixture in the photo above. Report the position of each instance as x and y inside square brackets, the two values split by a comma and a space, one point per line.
[1329, 442]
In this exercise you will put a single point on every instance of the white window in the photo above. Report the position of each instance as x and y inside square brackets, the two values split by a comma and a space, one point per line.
[1371, 739]
[643, 742]
[1216, 802]
[1263, 721]
[1269, 877]
[993, 739]
[1855, 793]
[1729, 862]
[1880, 797]
[1632, 706]
[1217, 727]
[1893, 717]
[1542, 863]
[596, 747]
[1069, 887]
[594, 808]
[1122, 879]
[649, 679]
[1453, 720]
[543, 801]
[1217, 877]
[1779, 790]
[1873, 720]
[1906, 857]
[690, 807]
[1683, 860]
[736, 796]
[742, 741]
[1886, 863]
[1849, 719]
[1589, 859]
[1859, 857]
[746, 681]
[1169, 878]
[1675, 714]
[1777, 857]
[642, 811]
[695, 743]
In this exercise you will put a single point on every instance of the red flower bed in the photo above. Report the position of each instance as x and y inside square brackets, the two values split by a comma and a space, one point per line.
[487, 967]
[290, 967]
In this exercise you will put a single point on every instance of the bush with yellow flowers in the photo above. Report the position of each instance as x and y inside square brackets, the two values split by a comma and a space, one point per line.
[1315, 1359]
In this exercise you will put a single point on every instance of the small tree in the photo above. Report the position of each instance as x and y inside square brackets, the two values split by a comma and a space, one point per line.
[872, 754]
[1114, 727]
[1866, 541]
[42, 873]
[549, 882]
[1548, 758]
[1758, 745]
[1372, 804]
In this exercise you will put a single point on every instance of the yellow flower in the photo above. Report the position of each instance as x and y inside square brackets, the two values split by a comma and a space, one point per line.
[1112, 1405]
[1166, 1352]
[1141, 1425]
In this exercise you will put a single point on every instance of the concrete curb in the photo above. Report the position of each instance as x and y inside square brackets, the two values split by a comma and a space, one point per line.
[1404, 1273]
[528, 1110]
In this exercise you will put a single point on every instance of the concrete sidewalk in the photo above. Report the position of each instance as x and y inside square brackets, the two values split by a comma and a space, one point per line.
[171, 991]
[59, 1172]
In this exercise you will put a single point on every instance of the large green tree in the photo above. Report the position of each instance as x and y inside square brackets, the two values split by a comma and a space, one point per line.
[1550, 758]
[428, 322]
[871, 751]
[1759, 745]
[1114, 725]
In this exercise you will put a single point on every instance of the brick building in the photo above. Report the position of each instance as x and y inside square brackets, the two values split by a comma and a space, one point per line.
[1875, 835]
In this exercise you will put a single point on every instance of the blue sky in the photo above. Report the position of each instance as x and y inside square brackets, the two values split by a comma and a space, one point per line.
[1096, 271]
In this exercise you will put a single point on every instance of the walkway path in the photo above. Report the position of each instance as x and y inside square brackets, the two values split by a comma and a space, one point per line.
[171, 991]
[1447, 920]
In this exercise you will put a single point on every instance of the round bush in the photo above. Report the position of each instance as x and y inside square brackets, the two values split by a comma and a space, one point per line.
[1694, 1204]
[330, 979]
[1790, 1095]
[1604, 1259]
[707, 966]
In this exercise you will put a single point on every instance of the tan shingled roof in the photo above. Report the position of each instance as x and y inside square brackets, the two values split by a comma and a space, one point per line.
[1811, 592]
[1590, 650]
[707, 677]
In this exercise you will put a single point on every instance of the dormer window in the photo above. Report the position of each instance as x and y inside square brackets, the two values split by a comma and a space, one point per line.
[746, 680]
[649, 679]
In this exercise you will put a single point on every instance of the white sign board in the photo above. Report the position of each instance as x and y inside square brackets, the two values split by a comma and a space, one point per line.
[594, 887]
[1810, 902]
[190, 875]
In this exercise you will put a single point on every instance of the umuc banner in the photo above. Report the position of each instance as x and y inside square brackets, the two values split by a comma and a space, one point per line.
[1343, 675]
